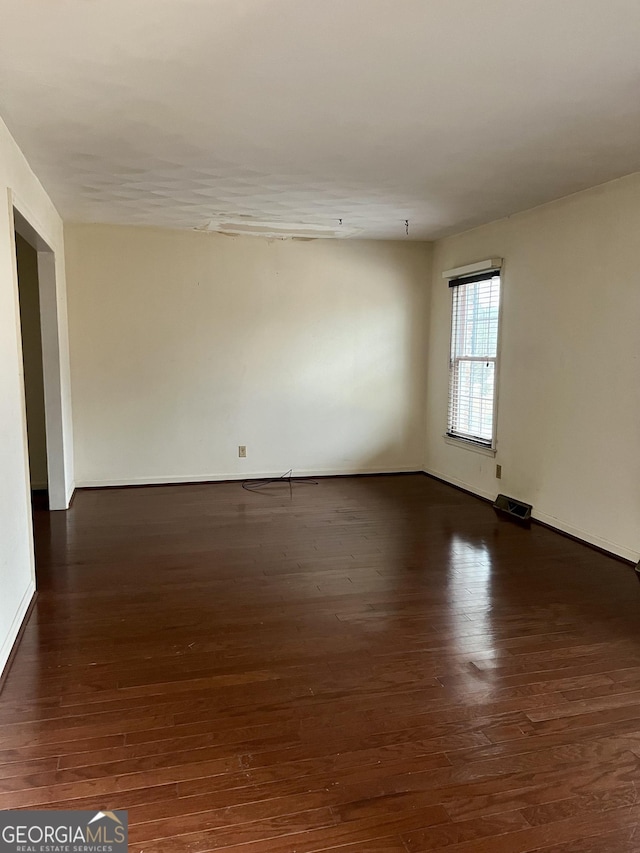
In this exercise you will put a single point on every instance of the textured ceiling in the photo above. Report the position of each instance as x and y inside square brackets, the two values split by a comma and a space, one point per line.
[448, 113]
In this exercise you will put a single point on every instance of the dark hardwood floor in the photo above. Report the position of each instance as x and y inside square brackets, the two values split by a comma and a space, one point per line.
[370, 665]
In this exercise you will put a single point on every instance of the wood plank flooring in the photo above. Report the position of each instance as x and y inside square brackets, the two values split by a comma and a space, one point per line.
[365, 665]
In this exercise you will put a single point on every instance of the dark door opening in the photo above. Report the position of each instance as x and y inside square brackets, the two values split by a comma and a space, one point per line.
[29, 298]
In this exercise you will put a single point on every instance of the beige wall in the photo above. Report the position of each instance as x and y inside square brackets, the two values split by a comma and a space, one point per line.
[27, 258]
[569, 382]
[185, 345]
[19, 185]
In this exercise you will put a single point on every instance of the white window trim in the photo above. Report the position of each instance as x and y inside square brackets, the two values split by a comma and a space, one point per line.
[459, 441]
[472, 269]
[469, 444]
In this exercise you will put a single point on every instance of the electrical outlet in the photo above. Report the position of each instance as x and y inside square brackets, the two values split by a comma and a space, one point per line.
[242, 451]
[498, 472]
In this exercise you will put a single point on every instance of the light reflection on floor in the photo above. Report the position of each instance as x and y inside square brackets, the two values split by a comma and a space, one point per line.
[469, 586]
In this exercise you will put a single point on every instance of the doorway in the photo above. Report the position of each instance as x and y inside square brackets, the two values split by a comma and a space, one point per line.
[31, 333]
[39, 326]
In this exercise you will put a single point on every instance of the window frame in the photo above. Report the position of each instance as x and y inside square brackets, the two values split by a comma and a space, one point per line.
[458, 278]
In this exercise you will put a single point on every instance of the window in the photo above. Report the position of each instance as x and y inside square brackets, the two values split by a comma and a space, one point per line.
[474, 351]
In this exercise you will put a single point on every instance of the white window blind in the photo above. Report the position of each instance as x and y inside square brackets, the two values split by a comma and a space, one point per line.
[474, 351]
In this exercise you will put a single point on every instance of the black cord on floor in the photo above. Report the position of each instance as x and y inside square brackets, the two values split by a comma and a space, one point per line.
[255, 485]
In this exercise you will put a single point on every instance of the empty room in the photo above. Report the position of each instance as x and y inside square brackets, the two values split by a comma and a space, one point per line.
[320, 420]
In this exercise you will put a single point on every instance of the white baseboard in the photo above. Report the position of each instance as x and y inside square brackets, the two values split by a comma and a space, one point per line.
[598, 541]
[14, 630]
[249, 475]
[460, 483]
[550, 520]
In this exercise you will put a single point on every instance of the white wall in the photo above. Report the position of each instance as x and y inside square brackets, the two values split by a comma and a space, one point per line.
[185, 345]
[569, 382]
[18, 184]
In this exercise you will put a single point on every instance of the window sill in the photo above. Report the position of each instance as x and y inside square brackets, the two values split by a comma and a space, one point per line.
[469, 445]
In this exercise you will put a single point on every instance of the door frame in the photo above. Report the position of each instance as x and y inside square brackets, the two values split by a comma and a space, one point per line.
[23, 223]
